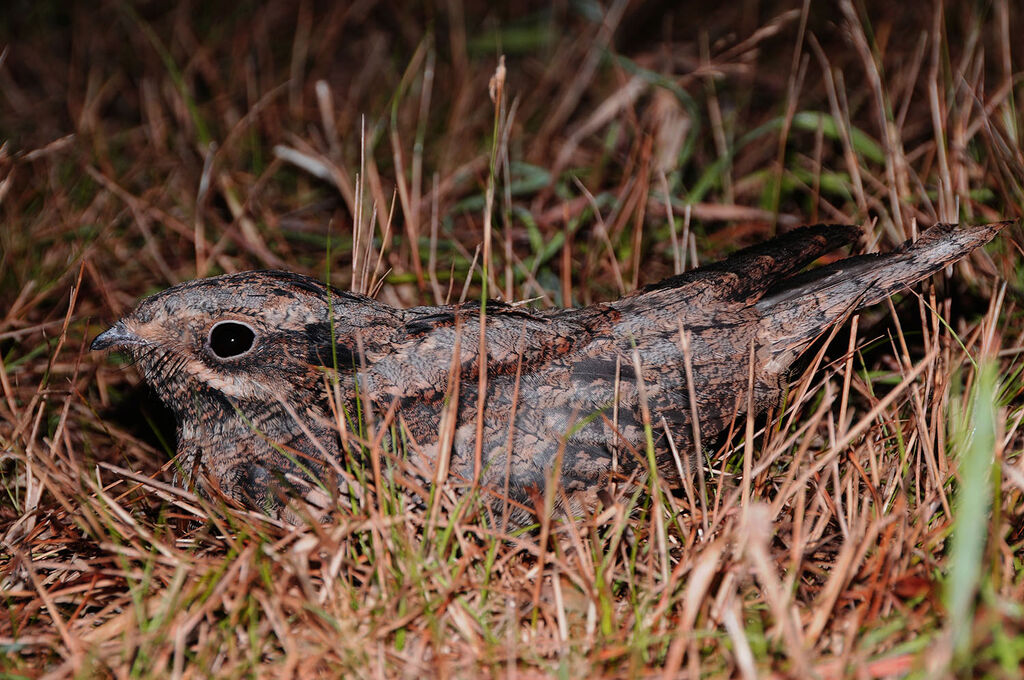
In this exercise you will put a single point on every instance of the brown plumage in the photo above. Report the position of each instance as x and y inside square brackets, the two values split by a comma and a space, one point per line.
[246, 363]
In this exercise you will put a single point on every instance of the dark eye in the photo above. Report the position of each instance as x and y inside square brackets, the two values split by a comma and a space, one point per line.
[231, 339]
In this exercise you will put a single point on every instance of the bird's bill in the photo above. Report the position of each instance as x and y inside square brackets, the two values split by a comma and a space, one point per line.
[116, 336]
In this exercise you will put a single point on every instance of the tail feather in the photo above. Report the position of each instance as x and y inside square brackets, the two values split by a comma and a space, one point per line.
[799, 308]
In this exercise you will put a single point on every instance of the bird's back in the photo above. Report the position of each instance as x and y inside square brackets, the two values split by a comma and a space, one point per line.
[583, 386]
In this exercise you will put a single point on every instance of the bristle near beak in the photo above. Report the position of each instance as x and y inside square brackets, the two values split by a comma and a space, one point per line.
[116, 336]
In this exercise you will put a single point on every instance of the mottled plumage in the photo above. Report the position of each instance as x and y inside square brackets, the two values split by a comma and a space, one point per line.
[253, 420]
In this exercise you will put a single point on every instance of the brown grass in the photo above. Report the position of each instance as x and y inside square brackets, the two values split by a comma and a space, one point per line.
[873, 528]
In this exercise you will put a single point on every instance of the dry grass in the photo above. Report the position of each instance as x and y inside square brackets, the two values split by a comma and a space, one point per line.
[872, 529]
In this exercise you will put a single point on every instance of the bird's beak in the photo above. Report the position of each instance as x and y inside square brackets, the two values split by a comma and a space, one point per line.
[116, 336]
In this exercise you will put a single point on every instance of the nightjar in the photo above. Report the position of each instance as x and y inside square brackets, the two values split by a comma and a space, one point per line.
[275, 378]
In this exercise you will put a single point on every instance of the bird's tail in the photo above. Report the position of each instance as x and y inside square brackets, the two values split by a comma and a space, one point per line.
[800, 308]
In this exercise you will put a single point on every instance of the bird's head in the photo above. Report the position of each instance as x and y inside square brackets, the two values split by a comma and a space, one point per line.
[239, 338]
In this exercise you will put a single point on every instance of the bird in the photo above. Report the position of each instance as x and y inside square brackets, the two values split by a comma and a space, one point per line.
[281, 383]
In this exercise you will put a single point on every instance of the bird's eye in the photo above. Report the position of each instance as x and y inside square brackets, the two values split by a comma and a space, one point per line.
[231, 339]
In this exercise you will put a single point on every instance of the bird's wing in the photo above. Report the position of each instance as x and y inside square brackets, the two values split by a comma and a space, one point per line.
[749, 272]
